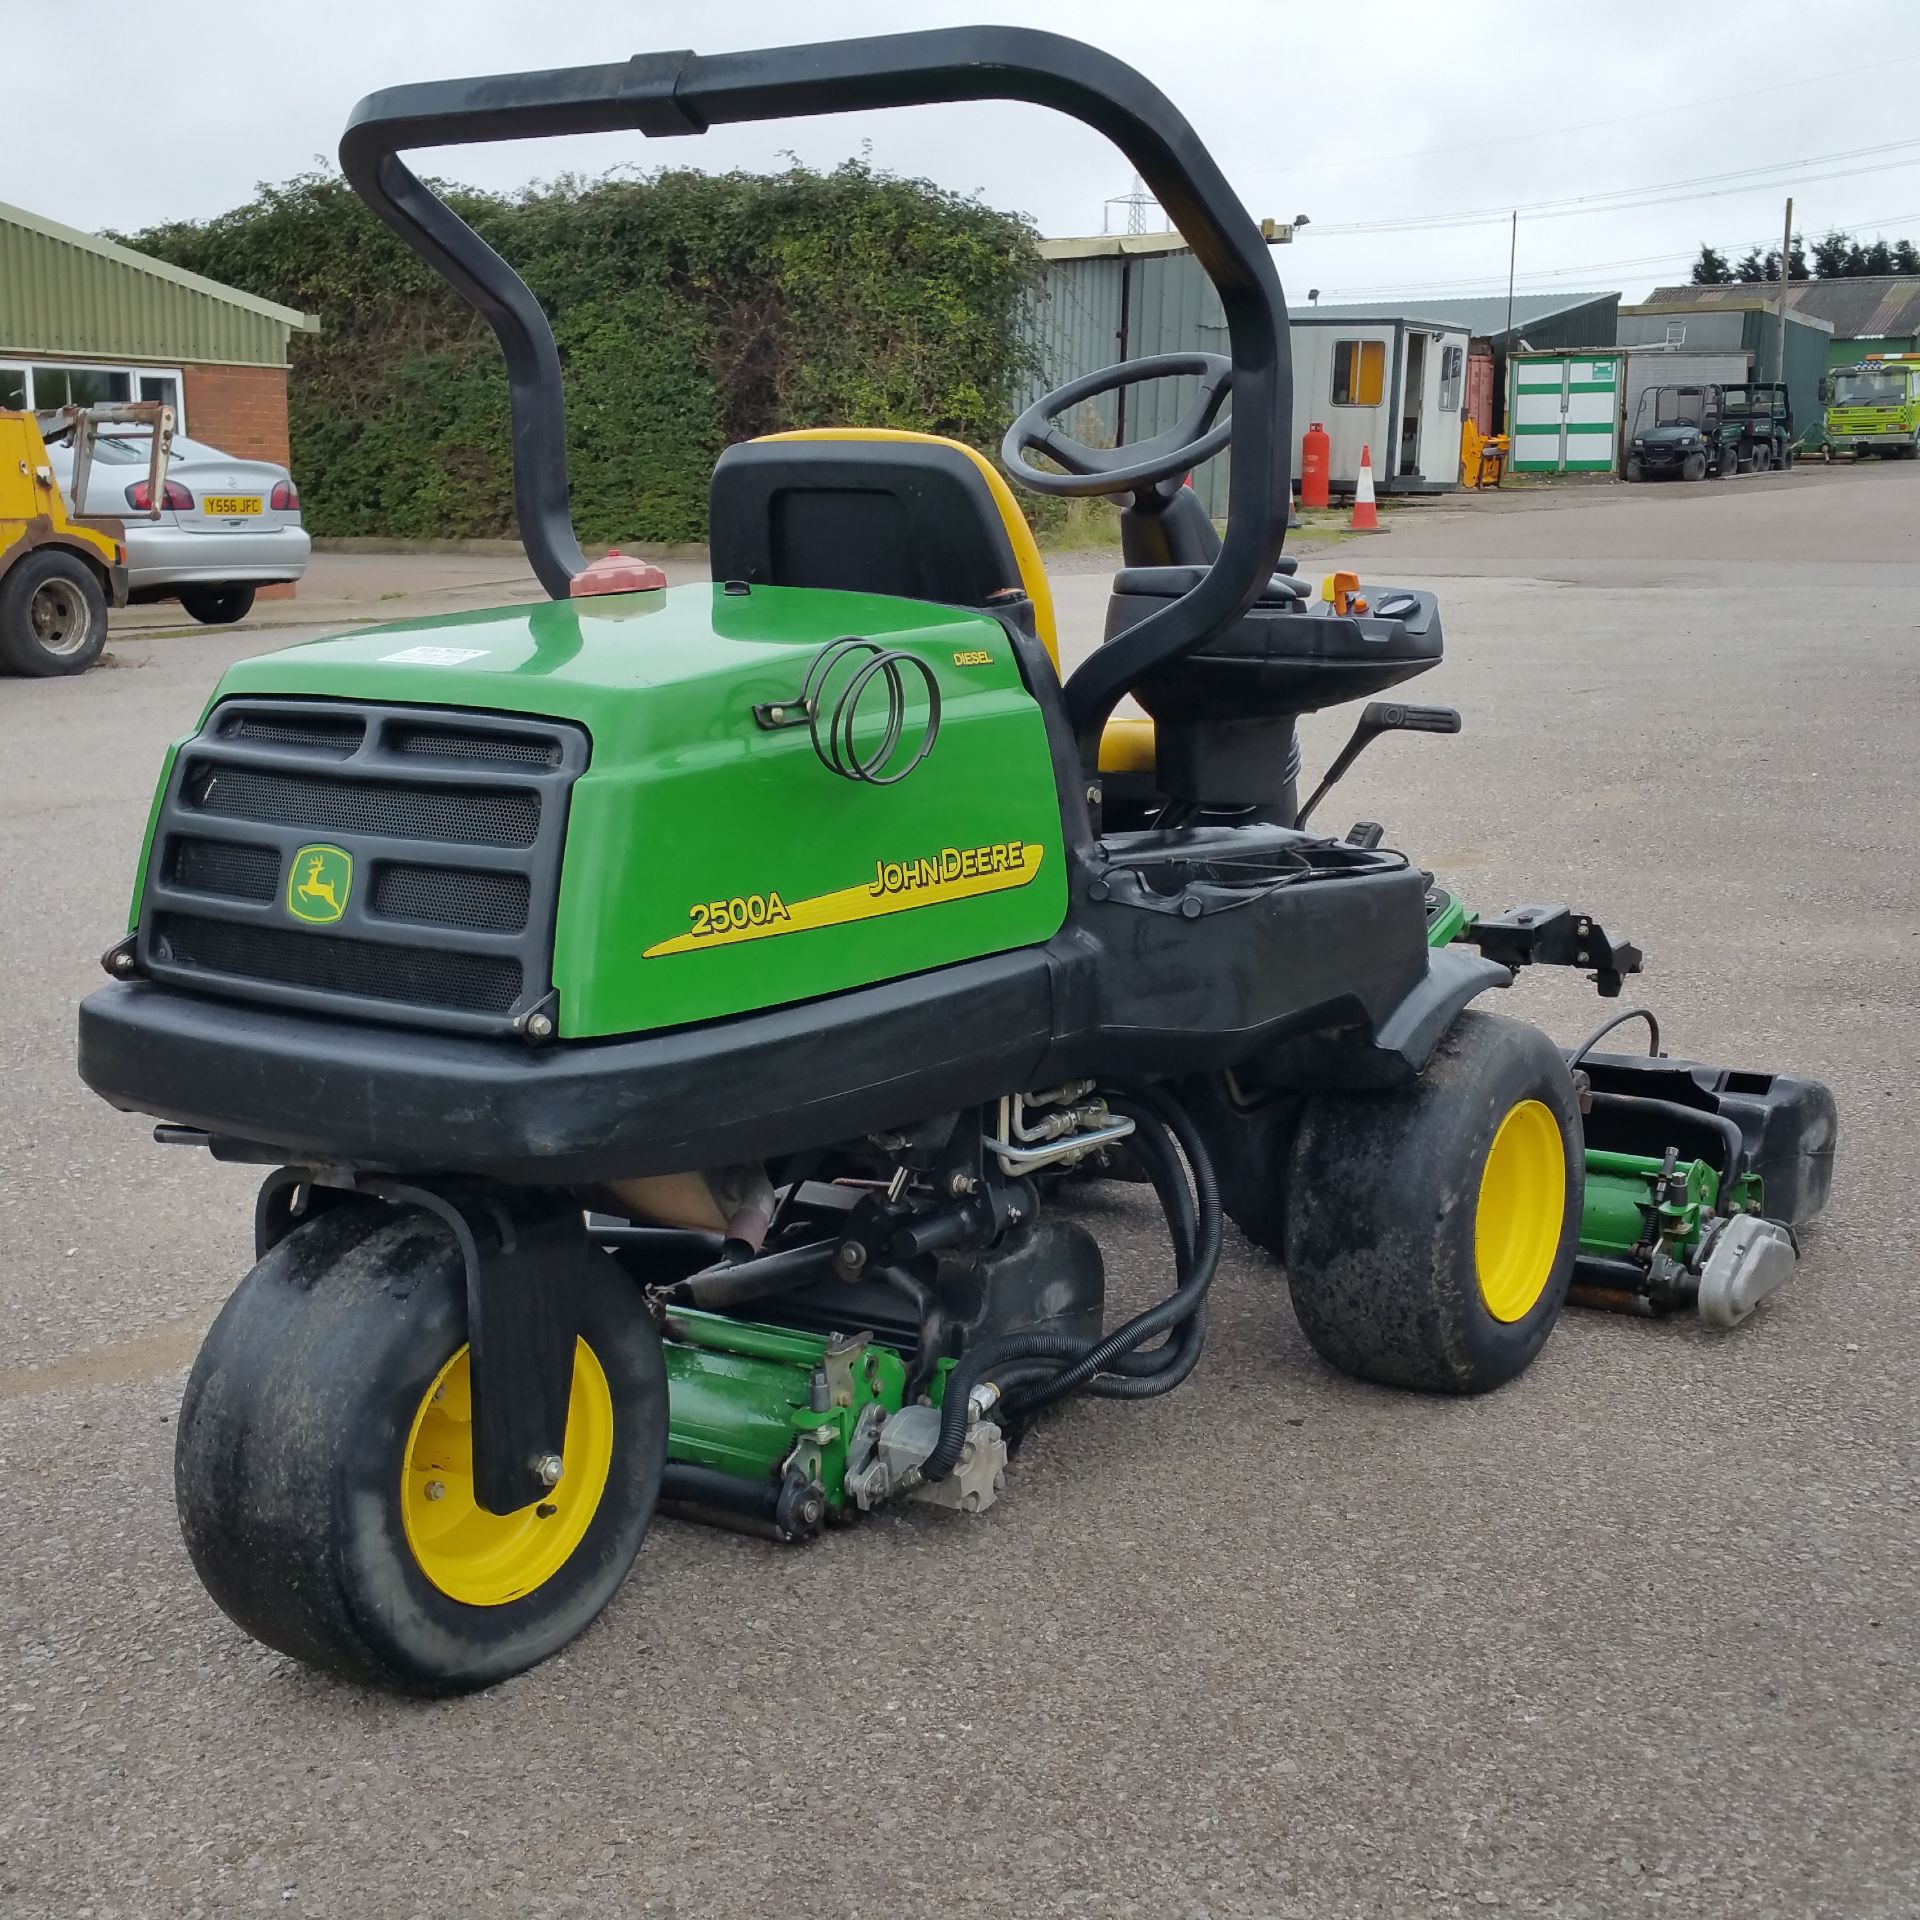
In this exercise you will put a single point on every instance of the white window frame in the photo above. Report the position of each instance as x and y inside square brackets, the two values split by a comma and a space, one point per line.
[11, 363]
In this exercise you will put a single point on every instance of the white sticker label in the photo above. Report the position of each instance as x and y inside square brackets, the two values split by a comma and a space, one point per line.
[434, 656]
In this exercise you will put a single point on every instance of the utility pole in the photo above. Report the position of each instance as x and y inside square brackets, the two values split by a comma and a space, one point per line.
[1513, 249]
[1780, 341]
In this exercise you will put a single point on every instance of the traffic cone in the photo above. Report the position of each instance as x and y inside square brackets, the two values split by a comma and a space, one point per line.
[1366, 516]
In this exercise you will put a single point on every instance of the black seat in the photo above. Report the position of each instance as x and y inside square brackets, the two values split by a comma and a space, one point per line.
[874, 512]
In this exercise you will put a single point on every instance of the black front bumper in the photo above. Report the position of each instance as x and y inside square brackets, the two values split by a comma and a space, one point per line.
[324, 1090]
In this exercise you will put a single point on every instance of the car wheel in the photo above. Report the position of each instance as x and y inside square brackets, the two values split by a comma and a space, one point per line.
[1635, 471]
[53, 615]
[218, 606]
[1695, 467]
[1762, 459]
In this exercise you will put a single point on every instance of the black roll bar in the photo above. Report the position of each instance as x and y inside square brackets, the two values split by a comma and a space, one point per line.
[661, 94]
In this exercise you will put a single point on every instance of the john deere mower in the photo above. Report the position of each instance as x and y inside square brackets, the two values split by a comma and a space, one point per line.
[671, 1021]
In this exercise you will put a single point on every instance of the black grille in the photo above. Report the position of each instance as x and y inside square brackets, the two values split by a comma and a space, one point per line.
[440, 831]
[495, 749]
[474, 816]
[411, 976]
[223, 867]
[341, 736]
[452, 897]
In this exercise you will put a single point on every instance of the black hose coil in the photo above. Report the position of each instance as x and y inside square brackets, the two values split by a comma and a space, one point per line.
[1036, 1370]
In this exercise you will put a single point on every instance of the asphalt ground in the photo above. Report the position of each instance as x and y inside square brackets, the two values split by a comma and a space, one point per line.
[1635, 1635]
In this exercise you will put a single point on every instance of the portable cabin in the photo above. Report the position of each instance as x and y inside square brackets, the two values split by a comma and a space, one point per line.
[1396, 386]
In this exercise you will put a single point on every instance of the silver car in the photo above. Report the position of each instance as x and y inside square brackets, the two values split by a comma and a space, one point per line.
[226, 525]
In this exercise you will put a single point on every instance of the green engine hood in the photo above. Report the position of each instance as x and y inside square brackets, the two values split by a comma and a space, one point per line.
[713, 864]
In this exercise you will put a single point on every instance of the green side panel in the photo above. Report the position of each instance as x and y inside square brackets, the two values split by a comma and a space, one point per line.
[146, 841]
[713, 864]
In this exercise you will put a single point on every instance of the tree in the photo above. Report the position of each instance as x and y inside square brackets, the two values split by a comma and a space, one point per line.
[1836, 255]
[1711, 269]
[1830, 253]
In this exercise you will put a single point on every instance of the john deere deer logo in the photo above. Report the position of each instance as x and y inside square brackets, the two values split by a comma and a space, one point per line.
[318, 884]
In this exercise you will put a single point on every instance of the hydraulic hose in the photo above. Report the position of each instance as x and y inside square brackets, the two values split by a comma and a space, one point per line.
[1112, 1367]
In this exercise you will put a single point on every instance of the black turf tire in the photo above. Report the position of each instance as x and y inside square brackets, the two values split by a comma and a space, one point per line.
[287, 1464]
[80, 608]
[1694, 467]
[1383, 1193]
[217, 606]
[1635, 471]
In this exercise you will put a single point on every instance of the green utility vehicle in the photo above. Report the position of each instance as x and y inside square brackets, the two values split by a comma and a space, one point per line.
[668, 1022]
[1682, 433]
[1874, 407]
[1756, 427]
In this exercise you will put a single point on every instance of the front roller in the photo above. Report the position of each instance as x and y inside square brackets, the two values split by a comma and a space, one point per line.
[324, 1465]
[1431, 1231]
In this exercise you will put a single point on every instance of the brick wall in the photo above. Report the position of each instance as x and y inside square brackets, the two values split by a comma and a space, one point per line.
[242, 411]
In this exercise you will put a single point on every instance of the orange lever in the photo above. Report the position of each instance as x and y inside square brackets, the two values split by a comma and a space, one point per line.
[1341, 591]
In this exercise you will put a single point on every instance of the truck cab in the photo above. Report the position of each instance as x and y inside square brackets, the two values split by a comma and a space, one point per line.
[1873, 407]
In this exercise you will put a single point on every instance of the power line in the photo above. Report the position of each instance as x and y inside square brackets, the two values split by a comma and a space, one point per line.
[1706, 186]
[1467, 285]
[1580, 126]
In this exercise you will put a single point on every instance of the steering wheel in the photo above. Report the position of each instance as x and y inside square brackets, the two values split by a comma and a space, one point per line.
[1196, 436]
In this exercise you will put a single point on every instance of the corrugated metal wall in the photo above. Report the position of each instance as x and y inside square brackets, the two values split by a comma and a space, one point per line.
[1168, 305]
[60, 298]
[1805, 369]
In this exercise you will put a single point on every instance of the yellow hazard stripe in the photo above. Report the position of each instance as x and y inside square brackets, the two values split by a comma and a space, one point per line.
[870, 900]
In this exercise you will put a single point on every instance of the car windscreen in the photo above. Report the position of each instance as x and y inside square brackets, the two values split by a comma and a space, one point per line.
[1870, 387]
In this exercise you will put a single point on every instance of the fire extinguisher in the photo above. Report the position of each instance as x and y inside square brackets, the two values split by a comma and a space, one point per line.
[1316, 458]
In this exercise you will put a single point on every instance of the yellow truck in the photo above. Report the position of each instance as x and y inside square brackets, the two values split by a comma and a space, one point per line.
[58, 573]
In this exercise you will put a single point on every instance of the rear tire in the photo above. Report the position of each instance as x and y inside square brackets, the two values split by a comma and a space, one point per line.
[1431, 1232]
[323, 1463]
[217, 606]
[53, 615]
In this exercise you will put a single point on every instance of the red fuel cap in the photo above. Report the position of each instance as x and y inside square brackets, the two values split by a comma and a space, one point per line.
[616, 573]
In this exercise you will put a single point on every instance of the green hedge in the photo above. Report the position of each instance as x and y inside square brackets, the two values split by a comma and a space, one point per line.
[691, 310]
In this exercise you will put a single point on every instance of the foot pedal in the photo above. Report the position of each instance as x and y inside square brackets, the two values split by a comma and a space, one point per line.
[1747, 1260]
[1366, 833]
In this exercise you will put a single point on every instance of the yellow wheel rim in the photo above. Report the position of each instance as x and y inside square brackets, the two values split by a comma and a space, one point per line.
[486, 1559]
[1523, 1199]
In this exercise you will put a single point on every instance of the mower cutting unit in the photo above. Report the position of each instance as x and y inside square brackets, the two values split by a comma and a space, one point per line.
[671, 1020]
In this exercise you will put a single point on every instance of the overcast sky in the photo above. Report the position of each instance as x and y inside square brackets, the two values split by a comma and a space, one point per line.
[1352, 113]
